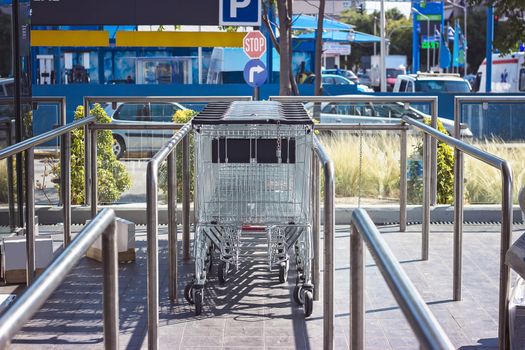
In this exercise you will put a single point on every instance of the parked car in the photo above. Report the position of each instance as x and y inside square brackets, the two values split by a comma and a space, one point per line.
[141, 113]
[348, 74]
[431, 82]
[508, 73]
[334, 79]
[372, 113]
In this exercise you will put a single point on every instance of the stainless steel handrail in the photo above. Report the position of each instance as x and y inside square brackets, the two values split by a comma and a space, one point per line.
[506, 222]
[425, 326]
[329, 231]
[36, 295]
[28, 147]
[166, 152]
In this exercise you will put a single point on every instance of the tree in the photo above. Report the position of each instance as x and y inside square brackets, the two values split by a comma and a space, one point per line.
[510, 31]
[319, 50]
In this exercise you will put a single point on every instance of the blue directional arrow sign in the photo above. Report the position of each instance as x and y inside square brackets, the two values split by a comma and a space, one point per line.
[240, 12]
[255, 73]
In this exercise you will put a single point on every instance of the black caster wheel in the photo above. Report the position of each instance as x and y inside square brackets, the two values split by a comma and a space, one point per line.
[283, 272]
[308, 303]
[298, 295]
[223, 272]
[198, 299]
[188, 293]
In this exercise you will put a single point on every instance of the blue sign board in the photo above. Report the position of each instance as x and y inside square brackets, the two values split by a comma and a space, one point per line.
[240, 12]
[255, 73]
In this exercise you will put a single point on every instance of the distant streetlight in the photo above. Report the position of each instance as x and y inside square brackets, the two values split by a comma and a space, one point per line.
[428, 32]
[465, 43]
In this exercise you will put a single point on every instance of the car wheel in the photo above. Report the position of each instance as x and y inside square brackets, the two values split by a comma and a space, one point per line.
[118, 147]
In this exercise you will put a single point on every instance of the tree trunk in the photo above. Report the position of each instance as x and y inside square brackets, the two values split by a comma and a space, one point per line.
[319, 49]
[293, 82]
[284, 48]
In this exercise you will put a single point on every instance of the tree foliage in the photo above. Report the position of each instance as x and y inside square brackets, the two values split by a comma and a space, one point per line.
[512, 22]
[113, 178]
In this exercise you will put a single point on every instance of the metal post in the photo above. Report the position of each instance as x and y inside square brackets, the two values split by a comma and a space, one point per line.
[11, 184]
[329, 228]
[87, 157]
[382, 61]
[458, 223]
[93, 167]
[186, 196]
[111, 297]
[506, 238]
[316, 220]
[172, 226]
[426, 198]
[433, 155]
[30, 215]
[357, 291]
[65, 185]
[403, 183]
[488, 48]
[153, 250]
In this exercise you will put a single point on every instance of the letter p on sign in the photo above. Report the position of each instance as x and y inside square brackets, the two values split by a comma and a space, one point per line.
[240, 12]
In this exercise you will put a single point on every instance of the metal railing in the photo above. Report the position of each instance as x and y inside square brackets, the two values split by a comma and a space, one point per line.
[36, 295]
[506, 223]
[430, 152]
[425, 326]
[28, 147]
[7, 125]
[460, 148]
[320, 154]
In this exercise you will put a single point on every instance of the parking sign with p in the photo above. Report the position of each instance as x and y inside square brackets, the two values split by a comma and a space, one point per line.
[240, 12]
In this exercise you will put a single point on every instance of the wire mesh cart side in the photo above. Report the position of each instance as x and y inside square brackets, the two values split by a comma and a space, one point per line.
[253, 162]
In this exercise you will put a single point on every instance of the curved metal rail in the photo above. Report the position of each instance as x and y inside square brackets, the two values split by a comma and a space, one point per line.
[421, 320]
[506, 220]
[36, 295]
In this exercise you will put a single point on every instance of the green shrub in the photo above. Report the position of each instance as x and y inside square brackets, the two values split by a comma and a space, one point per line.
[445, 171]
[180, 117]
[113, 178]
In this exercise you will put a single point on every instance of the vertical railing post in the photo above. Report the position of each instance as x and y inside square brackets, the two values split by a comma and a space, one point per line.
[433, 155]
[153, 250]
[316, 223]
[403, 183]
[30, 214]
[87, 157]
[357, 291]
[111, 297]
[426, 197]
[186, 196]
[506, 239]
[93, 168]
[65, 186]
[172, 225]
[329, 232]
[458, 206]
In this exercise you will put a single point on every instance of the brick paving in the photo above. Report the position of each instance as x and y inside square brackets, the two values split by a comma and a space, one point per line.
[254, 311]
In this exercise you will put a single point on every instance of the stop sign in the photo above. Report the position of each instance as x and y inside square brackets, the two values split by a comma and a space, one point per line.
[254, 44]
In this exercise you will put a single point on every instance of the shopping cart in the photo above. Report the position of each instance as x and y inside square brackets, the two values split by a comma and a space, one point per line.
[252, 162]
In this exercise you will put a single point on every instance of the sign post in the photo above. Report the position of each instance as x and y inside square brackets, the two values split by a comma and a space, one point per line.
[255, 72]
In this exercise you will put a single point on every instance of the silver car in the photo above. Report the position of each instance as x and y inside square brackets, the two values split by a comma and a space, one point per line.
[132, 141]
[375, 113]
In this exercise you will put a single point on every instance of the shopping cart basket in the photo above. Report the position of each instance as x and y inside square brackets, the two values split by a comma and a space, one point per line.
[252, 162]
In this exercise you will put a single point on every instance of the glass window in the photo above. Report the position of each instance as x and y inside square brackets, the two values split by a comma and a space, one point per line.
[410, 87]
[132, 112]
[340, 81]
[522, 80]
[163, 112]
[328, 80]
[441, 86]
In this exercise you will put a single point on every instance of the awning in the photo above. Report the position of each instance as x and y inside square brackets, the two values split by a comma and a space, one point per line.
[342, 37]
[307, 22]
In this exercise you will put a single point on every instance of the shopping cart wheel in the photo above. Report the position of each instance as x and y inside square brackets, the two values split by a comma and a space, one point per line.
[198, 298]
[188, 293]
[283, 271]
[308, 303]
[298, 295]
[223, 272]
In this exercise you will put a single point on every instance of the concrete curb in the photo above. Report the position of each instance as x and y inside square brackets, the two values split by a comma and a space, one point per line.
[380, 214]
